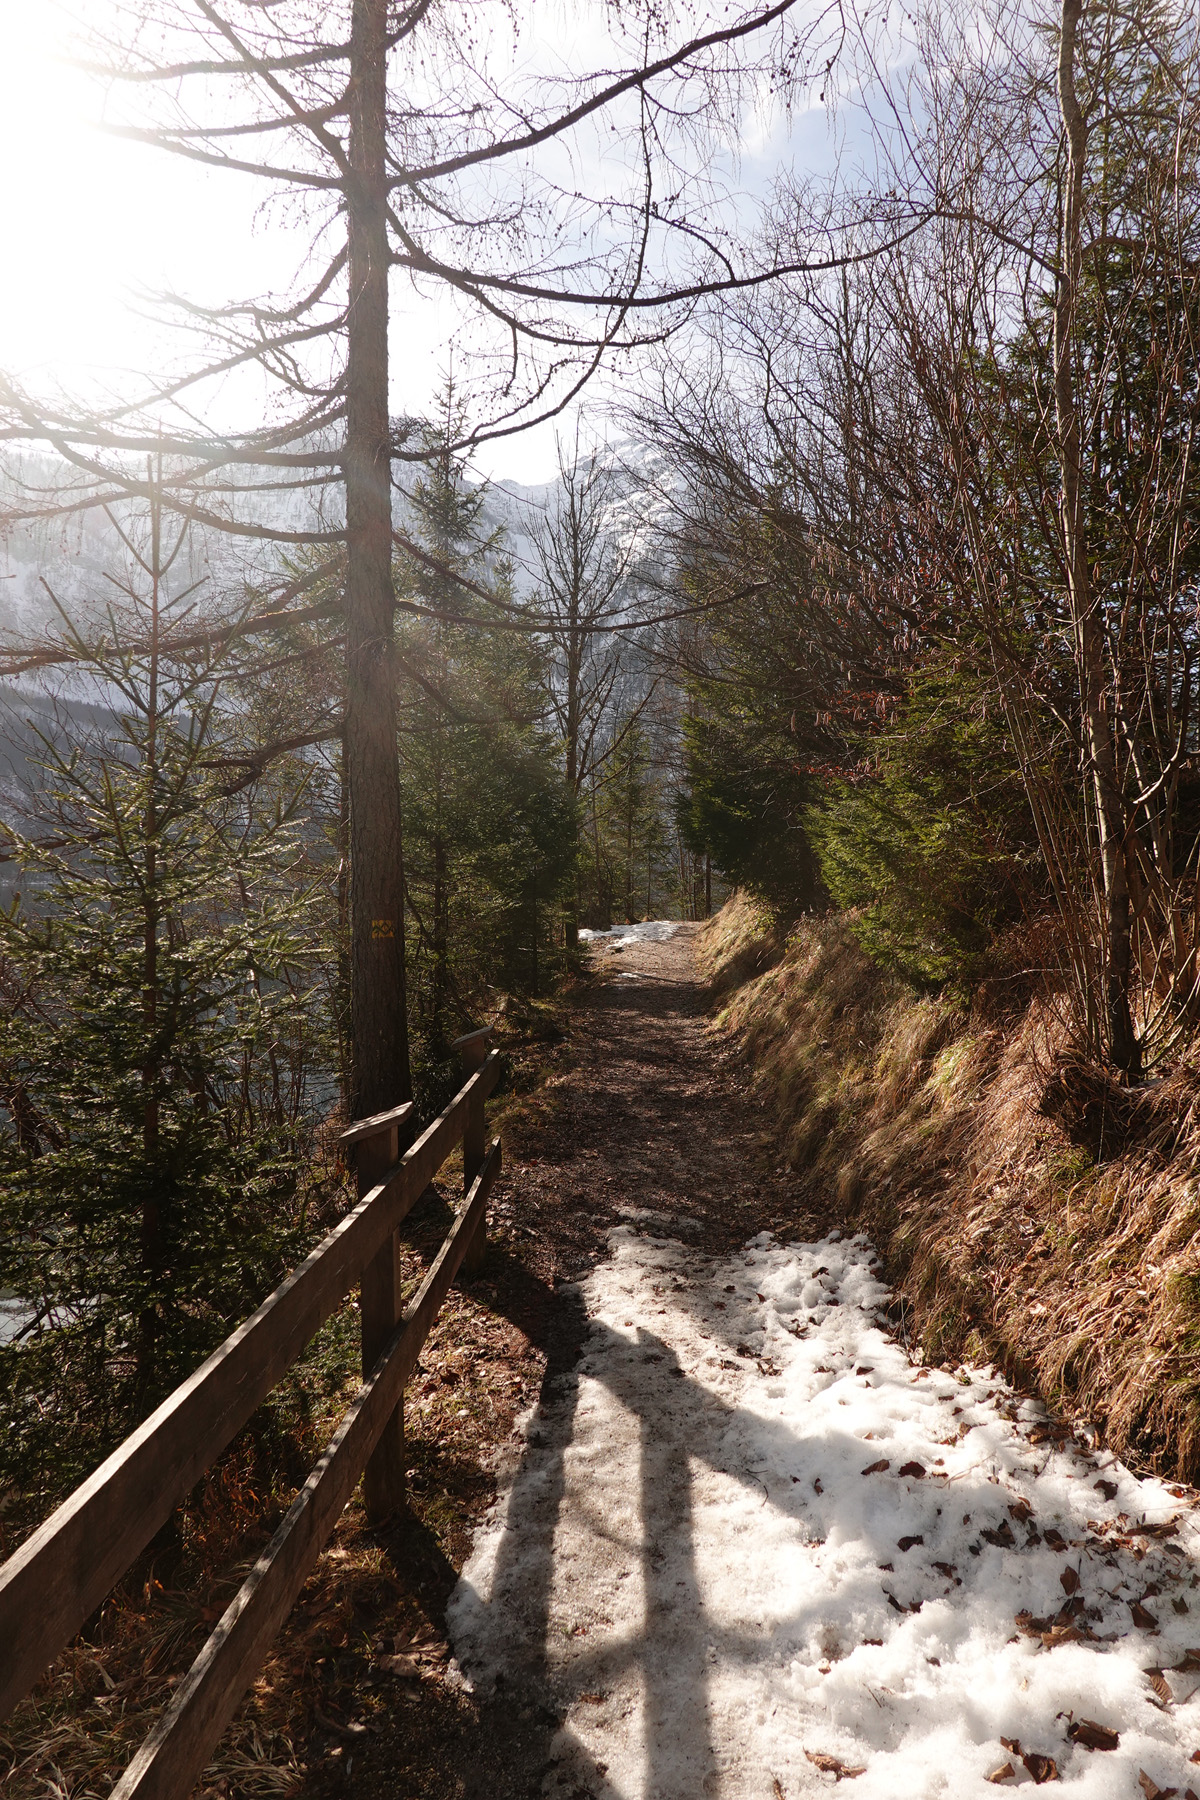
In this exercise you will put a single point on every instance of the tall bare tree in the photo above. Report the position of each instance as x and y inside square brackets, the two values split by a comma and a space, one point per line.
[411, 139]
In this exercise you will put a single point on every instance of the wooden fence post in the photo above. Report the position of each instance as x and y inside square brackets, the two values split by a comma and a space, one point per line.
[472, 1050]
[375, 1145]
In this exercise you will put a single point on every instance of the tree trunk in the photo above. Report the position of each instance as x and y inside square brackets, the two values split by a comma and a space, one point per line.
[378, 1024]
[151, 1221]
[441, 938]
[571, 904]
[1099, 747]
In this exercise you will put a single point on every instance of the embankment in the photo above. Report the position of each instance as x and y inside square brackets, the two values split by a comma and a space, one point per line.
[1029, 1213]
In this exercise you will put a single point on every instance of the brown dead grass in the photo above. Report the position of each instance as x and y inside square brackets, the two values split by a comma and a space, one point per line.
[1006, 1238]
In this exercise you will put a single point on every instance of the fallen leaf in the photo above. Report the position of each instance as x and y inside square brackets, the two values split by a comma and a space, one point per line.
[877, 1468]
[1093, 1736]
[1144, 1620]
[833, 1765]
[1069, 1580]
[817, 1488]
[1005, 1772]
[1151, 1788]
[405, 1668]
[865, 1369]
[1067, 1634]
[913, 1468]
[1055, 1539]
[1013, 1744]
[777, 1788]
[1000, 1535]
[1161, 1686]
[1021, 1511]
[1042, 1768]
[906, 1543]
[1108, 1488]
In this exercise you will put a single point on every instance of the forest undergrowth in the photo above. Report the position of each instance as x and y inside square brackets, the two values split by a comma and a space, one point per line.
[364, 1642]
[1030, 1212]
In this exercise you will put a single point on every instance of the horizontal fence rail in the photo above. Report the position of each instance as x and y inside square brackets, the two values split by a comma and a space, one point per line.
[63, 1572]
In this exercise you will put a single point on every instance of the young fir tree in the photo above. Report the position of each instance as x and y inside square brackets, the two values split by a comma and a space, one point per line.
[935, 847]
[157, 1039]
[489, 831]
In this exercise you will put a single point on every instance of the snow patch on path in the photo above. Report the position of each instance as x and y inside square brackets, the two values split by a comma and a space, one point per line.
[747, 1530]
[650, 931]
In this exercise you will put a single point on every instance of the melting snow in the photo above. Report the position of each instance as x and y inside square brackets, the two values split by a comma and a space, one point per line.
[651, 931]
[747, 1532]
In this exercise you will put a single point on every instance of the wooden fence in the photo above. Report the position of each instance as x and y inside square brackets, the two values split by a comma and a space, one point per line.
[64, 1571]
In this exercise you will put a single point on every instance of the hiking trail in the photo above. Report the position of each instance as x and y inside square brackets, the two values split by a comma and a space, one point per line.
[747, 1547]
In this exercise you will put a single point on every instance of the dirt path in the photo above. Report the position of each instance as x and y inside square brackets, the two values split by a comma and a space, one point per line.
[638, 1115]
[744, 1547]
[651, 1118]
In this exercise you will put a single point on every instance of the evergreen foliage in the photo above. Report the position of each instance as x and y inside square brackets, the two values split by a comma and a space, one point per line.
[746, 804]
[489, 826]
[159, 1042]
[934, 847]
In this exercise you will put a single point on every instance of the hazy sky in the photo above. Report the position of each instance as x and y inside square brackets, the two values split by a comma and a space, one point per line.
[89, 223]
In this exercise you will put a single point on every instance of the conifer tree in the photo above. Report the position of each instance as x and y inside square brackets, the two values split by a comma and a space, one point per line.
[158, 1042]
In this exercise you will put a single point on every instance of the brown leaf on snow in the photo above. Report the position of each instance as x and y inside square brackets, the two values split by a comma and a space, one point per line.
[1143, 1619]
[1151, 1788]
[1108, 1488]
[1042, 1768]
[1000, 1535]
[1005, 1772]
[915, 1469]
[877, 1468]
[833, 1765]
[1161, 1686]
[1093, 1736]
[1013, 1744]
[906, 1543]
[1070, 1581]
[1055, 1539]
[1021, 1511]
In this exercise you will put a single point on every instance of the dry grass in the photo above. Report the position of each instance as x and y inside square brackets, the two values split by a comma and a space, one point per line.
[1027, 1214]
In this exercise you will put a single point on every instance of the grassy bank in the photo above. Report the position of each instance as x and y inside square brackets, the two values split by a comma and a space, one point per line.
[1029, 1213]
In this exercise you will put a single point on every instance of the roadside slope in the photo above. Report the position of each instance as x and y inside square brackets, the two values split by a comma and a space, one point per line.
[1026, 1213]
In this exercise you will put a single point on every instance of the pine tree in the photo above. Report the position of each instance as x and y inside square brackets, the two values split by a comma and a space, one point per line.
[157, 1045]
